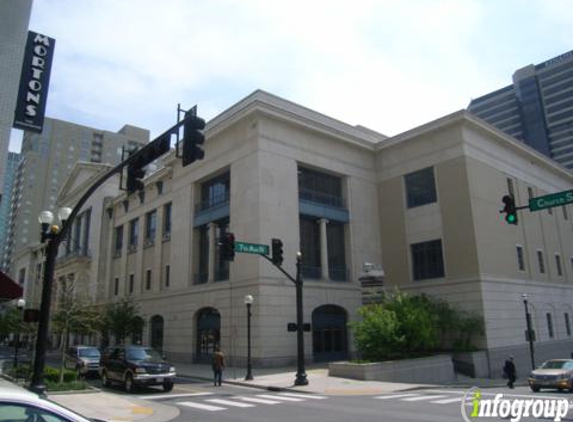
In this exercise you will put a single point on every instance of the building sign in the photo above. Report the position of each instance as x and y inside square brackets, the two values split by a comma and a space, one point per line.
[34, 82]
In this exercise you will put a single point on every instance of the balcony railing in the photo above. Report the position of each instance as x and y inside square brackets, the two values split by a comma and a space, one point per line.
[313, 273]
[213, 202]
[322, 198]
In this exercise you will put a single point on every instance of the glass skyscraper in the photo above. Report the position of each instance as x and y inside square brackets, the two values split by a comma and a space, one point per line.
[537, 108]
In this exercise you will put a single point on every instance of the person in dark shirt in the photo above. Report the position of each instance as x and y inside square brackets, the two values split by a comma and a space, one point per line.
[218, 366]
[510, 372]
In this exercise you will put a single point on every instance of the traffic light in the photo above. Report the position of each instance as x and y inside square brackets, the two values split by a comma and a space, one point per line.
[277, 251]
[135, 175]
[227, 247]
[509, 209]
[141, 158]
[193, 138]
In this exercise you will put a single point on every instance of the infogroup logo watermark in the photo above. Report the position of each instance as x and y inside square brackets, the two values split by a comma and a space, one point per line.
[475, 407]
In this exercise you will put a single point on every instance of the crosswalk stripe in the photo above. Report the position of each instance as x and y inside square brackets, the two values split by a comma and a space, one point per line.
[446, 401]
[230, 403]
[201, 406]
[256, 400]
[303, 396]
[422, 398]
[395, 396]
[273, 397]
[174, 396]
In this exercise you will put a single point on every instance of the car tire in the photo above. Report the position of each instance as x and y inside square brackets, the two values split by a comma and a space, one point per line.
[129, 384]
[535, 389]
[167, 385]
[104, 379]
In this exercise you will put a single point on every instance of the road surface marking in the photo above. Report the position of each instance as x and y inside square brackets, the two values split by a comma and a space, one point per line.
[273, 397]
[174, 396]
[201, 406]
[303, 396]
[230, 403]
[256, 400]
[395, 396]
[422, 398]
[446, 401]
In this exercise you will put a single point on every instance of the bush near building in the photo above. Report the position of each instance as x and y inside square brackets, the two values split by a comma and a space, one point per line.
[407, 326]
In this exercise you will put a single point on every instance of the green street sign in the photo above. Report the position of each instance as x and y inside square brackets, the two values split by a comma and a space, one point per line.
[550, 201]
[255, 248]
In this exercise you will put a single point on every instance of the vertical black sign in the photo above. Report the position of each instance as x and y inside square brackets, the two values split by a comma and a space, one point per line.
[34, 82]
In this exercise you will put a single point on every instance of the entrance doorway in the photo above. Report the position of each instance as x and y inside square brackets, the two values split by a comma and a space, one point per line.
[208, 333]
[329, 337]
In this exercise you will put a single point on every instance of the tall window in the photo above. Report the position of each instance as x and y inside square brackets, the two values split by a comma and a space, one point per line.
[540, 262]
[565, 215]
[167, 275]
[150, 226]
[131, 283]
[520, 259]
[215, 192]
[420, 188]
[336, 251]
[510, 188]
[148, 280]
[116, 286]
[167, 220]
[567, 324]
[133, 233]
[558, 264]
[118, 239]
[318, 187]
[310, 248]
[427, 260]
[549, 325]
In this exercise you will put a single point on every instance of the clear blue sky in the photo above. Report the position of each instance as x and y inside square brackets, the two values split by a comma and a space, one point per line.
[387, 65]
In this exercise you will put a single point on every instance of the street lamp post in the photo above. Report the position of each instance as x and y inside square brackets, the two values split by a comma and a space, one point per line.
[249, 303]
[529, 330]
[300, 373]
[20, 306]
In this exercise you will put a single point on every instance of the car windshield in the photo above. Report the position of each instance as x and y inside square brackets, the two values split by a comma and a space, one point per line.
[553, 364]
[143, 354]
[89, 353]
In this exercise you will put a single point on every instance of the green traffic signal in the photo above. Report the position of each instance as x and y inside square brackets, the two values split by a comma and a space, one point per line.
[509, 209]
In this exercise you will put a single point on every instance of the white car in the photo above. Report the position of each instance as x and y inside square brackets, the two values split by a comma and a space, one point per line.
[18, 404]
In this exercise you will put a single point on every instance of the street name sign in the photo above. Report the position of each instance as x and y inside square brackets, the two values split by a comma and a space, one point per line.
[550, 201]
[255, 248]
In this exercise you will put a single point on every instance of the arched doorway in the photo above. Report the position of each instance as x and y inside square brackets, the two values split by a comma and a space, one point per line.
[156, 332]
[329, 337]
[208, 333]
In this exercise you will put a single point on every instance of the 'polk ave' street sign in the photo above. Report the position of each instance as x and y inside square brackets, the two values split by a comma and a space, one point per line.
[550, 201]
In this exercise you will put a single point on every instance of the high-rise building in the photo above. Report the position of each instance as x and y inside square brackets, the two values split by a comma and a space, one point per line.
[47, 160]
[11, 167]
[537, 108]
[14, 20]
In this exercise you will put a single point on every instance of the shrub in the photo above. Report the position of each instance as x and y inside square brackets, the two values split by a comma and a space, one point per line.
[52, 375]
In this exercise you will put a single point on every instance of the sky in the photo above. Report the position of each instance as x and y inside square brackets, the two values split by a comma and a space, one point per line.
[386, 65]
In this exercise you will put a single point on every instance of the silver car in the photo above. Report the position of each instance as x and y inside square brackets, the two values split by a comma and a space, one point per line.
[554, 373]
[84, 359]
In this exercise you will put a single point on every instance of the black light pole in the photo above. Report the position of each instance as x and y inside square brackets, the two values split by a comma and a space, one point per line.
[300, 374]
[20, 306]
[249, 302]
[529, 331]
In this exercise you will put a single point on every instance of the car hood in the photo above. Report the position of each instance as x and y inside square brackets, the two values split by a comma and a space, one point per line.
[549, 372]
[151, 364]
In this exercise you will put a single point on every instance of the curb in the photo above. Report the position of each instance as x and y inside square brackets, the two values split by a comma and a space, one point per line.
[246, 384]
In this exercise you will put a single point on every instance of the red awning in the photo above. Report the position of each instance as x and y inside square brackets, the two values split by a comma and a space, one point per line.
[9, 289]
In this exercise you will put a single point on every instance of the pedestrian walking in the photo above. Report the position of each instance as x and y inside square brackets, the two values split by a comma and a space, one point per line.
[218, 366]
[509, 371]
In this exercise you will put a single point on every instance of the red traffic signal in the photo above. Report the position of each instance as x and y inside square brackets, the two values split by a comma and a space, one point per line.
[227, 247]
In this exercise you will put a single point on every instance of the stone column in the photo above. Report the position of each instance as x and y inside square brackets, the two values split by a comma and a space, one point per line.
[323, 249]
[212, 251]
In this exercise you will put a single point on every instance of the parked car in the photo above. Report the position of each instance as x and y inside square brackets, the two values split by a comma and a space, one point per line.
[84, 359]
[135, 366]
[18, 404]
[554, 373]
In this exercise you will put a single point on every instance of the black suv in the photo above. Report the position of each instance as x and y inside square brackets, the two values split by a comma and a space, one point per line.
[134, 366]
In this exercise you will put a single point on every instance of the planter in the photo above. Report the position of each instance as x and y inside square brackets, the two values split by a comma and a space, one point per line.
[428, 370]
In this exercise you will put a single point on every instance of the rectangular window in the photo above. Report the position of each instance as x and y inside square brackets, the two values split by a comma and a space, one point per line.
[116, 286]
[22, 276]
[318, 187]
[565, 214]
[148, 280]
[427, 260]
[567, 324]
[150, 226]
[420, 188]
[549, 325]
[167, 220]
[310, 248]
[520, 259]
[530, 193]
[167, 275]
[336, 252]
[118, 239]
[558, 264]
[510, 188]
[133, 233]
[540, 262]
[131, 282]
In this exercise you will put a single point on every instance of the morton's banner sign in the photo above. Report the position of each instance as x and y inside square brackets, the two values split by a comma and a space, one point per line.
[34, 82]
[550, 201]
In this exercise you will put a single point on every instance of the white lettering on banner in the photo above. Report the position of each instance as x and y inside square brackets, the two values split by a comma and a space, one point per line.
[38, 64]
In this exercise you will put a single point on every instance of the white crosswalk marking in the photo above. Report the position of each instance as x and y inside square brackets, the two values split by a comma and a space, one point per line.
[446, 401]
[423, 398]
[303, 396]
[257, 400]
[273, 397]
[174, 396]
[201, 406]
[395, 396]
[230, 403]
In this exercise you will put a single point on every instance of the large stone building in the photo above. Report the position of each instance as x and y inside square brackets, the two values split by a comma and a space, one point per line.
[47, 159]
[423, 205]
[537, 108]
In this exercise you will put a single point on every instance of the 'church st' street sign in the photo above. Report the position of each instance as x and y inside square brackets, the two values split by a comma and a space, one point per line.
[550, 201]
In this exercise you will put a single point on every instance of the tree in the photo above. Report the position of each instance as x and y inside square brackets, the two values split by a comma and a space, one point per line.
[122, 319]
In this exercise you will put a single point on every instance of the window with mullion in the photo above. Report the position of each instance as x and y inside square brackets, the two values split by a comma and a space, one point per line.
[150, 226]
[310, 247]
[420, 188]
[133, 232]
[427, 260]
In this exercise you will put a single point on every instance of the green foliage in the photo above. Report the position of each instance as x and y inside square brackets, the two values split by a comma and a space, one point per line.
[67, 386]
[11, 322]
[52, 375]
[406, 326]
[122, 319]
